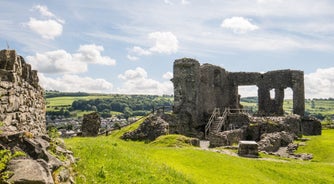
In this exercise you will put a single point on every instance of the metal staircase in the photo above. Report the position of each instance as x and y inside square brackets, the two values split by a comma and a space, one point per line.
[216, 121]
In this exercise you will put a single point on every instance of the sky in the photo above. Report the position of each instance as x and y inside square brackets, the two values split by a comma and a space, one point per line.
[128, 47]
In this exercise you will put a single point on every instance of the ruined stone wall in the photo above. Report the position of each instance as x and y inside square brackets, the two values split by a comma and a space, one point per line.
[186, 94]
[213, 83]
[198, 89]
[22, 105]
[274, 80]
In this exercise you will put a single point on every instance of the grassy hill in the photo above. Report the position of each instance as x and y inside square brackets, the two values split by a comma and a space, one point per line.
[111, 160]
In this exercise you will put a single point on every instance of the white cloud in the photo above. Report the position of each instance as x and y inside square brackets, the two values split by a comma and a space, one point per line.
[74, 83]
[247, 91]
[48, 29]
[185, 2]
[320, 84]
[167, 75]
[137, 74]
[43, 10]
[132, 58]
[60, 61]
[92, 54]
[238, 25]
[137, 82]
[140, 51]
[165, 42]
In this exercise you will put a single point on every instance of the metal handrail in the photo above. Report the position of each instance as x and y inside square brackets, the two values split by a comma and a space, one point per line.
[222, 121]
[215, 113]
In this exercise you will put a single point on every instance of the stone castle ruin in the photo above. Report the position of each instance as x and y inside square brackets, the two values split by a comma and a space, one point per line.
[22, 105]
[23, 127]
[207, 103]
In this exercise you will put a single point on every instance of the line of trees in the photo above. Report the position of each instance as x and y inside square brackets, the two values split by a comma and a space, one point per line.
[129, 105]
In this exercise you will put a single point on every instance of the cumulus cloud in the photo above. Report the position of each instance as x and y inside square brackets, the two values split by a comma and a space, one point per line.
[137, 74]
[164, 43]
[132, 58]
[320, 84]
[238, 25]
[74, 83]
[247, 91]
[60, 61]
[140, 51]
[167, 75]
[47, 28]
[92, 54]
[137, 82]
[43, 10]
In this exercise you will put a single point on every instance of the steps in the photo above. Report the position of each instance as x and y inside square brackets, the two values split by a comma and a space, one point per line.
[216, 121]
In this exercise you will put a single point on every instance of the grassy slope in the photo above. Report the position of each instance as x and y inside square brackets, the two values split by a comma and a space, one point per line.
[111, 160]
[322, 147]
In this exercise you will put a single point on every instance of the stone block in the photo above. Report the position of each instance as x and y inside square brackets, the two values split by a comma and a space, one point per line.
[248, 149]
[310, 126]
[91, 124]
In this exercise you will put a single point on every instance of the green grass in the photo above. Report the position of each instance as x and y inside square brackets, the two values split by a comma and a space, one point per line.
[118, 133]
[111, 160]
[172, 140]
[68, 100]
[322, 147]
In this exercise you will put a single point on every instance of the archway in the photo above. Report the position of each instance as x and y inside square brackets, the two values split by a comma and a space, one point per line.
[249, 97]
[288, 101]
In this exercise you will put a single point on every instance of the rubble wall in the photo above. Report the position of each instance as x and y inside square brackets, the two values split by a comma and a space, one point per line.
[22, 105]
[198, 89]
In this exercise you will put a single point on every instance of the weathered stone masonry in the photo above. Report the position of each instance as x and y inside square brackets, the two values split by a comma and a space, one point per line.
[22, 106]
[199, 89]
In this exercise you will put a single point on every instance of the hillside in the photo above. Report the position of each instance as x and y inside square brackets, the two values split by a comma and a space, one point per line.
[77, 104]
[60, 103]
[111, 160]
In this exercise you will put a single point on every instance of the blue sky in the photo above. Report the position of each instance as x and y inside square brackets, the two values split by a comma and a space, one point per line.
[114, 46]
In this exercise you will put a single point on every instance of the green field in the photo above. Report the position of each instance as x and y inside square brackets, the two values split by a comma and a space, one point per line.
[66, 101]
[111, 160]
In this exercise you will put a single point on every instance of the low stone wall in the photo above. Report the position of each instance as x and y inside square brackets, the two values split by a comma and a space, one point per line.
[310, 126]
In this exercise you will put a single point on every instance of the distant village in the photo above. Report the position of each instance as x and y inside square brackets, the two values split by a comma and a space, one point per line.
[68, 127]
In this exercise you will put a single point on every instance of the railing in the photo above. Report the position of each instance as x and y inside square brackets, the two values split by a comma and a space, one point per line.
[215, 113]
[222, 120]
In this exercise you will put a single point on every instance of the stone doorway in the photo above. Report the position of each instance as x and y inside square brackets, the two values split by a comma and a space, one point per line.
[250, 98]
